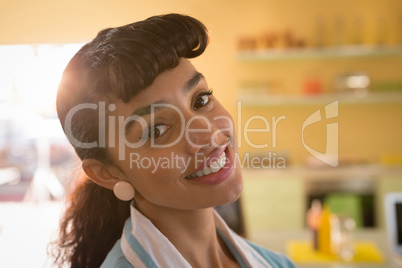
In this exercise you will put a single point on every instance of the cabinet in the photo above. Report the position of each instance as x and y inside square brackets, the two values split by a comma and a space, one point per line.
[278, 199]
[273, 203]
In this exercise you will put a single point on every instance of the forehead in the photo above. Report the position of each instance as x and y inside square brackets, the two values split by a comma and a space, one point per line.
[166, 84]
[173, 78]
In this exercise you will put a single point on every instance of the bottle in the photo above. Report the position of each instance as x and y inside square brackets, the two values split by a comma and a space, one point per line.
[324, 231]
[358, 32]
[338, 38]
[320, 33]
[313, 221]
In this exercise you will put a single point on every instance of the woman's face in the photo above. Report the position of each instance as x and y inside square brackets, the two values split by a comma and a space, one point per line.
[179, 149]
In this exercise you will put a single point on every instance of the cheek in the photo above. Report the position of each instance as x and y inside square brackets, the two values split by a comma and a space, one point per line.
[150, 182]
[225, 123]
[155, 168]
[163, 188]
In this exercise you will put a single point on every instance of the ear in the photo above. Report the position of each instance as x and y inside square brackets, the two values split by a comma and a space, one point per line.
[100, 173]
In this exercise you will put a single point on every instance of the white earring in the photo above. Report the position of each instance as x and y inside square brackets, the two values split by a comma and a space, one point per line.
[123, 191]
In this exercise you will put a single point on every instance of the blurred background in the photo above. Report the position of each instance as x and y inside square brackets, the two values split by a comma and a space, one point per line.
[271, 63]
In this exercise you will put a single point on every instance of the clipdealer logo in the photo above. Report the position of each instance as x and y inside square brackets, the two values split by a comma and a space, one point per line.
[330, 156]
[116, 127]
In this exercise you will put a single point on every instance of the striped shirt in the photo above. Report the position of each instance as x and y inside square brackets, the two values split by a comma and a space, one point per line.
[142, 245]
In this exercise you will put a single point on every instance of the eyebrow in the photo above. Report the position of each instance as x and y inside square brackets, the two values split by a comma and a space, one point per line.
[193, 82]
[190, 84]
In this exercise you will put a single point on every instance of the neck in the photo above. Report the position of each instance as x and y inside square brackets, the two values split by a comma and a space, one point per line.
[192, 232]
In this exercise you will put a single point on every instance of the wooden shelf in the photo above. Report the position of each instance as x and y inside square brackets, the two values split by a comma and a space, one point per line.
[339, 173]
[324, 53]
[349, 98]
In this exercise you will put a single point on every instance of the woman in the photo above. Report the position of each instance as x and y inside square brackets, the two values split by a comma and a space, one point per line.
[148, 129]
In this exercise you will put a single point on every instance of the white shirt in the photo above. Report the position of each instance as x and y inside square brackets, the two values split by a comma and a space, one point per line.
[142, 245]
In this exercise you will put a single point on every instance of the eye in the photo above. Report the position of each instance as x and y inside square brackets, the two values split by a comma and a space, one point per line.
[157, 131]
[202, 99]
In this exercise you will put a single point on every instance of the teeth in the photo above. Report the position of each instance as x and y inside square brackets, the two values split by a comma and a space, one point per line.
[213, 167]
[222, 160]
[207, 170]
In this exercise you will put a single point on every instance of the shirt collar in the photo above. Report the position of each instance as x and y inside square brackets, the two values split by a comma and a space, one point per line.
[145, 246]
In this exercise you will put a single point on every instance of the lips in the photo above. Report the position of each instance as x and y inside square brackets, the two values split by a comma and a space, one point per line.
[214, 170]
[213, 167]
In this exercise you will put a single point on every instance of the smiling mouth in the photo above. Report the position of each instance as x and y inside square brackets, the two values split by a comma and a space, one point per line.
[214, 167]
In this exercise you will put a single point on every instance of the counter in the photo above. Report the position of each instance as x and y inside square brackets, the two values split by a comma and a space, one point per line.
[277, 241]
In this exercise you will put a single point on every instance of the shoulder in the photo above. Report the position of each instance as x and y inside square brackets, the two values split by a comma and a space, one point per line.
[115, 258]
[276, 260]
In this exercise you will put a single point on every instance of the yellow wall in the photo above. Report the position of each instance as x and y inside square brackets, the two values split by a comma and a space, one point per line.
[365, 131]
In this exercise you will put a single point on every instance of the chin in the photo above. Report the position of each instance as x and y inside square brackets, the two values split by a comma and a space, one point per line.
[236, 194]
[233, 193]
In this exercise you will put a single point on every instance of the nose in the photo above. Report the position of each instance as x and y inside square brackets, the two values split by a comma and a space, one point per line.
[202, 135]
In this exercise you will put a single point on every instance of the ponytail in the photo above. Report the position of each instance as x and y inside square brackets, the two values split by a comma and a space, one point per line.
[92, 223]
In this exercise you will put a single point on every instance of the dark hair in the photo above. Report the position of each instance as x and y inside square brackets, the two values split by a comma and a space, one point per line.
[117, 64]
